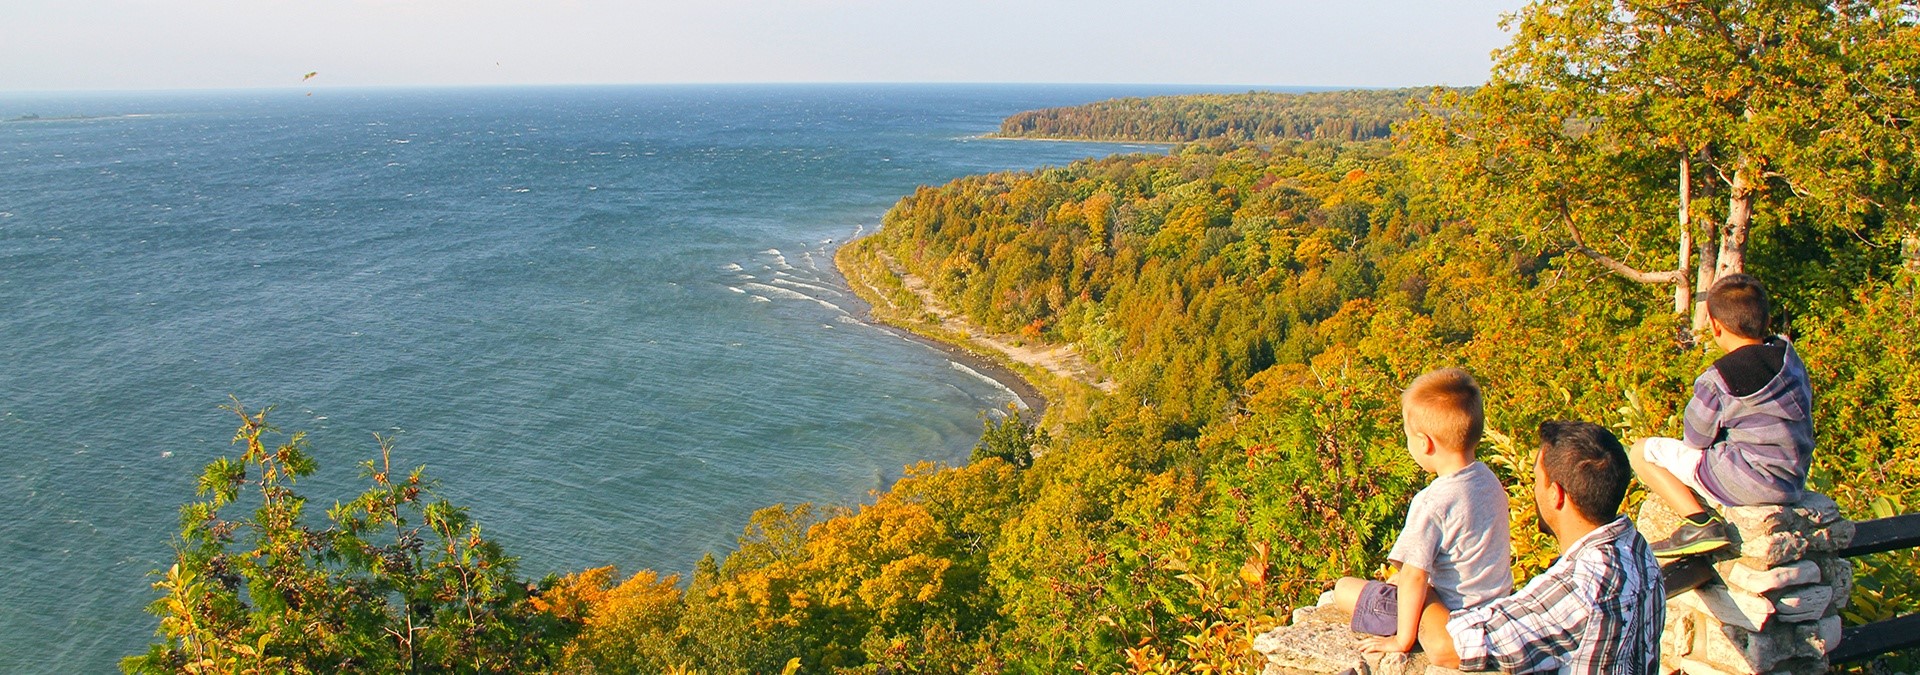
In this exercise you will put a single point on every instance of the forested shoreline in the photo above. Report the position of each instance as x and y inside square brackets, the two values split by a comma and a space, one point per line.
[1254, 116]
[1258, 300]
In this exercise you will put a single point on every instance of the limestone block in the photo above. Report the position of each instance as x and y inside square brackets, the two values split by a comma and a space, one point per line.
[1774, 550]
[1739, 651]
[1807, 603]
[1760, 581]
[1320, 643]
[1800, 666]
[1677, 639]
[1390, 664]
[1758, 520]
[1839, 575]
[1743, 610]
[1693, 667]
[1817, 509]
[1833, 538]
[1820, 637]
[1655, 520]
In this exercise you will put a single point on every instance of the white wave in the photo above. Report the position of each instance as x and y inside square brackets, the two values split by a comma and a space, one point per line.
[736, 290]
[757, 298]
[730, 267]
[801, 284]
[743, 276]
[779, 259]
[848, 318]
[792, 295]
[996, 383]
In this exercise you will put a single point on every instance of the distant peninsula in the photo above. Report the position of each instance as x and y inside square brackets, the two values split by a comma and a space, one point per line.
[1251, 117]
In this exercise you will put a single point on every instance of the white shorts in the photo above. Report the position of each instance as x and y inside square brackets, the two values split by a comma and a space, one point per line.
[1680, 459]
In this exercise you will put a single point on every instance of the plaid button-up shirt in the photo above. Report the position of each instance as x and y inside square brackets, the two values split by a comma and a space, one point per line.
[1599, 609]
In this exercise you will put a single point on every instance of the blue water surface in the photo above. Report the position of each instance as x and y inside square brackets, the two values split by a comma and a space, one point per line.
[604, 318]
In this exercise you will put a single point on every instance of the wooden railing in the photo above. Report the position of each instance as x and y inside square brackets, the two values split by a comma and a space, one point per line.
[1869, 640]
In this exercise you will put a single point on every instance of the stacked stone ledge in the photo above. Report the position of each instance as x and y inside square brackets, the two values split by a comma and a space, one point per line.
[1318, 641]
[1775, 604]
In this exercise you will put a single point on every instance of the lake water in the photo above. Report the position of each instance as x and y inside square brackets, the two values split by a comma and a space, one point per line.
[604, 318]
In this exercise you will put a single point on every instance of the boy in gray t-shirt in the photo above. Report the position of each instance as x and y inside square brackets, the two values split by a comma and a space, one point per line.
[1455, 552]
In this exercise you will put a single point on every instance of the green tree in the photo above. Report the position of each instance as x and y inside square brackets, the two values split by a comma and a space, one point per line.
[397, 581]
[1011, 439]
[1613, 115]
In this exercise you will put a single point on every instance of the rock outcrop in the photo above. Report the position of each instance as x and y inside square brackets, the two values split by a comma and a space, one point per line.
[1772, 606]
[1319, 641]
[1775, 606]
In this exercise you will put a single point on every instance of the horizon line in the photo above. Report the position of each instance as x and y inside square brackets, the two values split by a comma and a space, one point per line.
[311, 88]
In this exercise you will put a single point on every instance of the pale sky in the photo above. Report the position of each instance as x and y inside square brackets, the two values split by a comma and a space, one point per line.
[176, 44]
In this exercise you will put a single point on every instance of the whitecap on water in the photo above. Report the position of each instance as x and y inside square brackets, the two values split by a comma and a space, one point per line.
[801, 284]
[794, 295]
[996, 383]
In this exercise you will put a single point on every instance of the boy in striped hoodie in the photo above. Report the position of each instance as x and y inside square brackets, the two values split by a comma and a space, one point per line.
[1749, 427]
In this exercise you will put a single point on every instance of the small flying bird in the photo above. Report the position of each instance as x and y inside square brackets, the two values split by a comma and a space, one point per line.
[309, 76]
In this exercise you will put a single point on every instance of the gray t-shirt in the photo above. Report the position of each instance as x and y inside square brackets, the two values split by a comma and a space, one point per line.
[1457, 532]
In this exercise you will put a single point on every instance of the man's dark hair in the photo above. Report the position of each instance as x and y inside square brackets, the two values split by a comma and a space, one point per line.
[1740, 304]
[1587, 461]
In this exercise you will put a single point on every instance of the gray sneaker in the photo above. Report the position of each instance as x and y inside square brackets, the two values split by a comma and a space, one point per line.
[1691, 539]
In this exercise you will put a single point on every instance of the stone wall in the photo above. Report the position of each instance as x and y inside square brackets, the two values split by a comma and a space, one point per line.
[1318, 641]
[1775, 604]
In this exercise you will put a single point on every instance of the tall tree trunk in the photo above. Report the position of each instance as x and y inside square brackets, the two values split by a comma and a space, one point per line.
[1682, 297]
[1733, 232]
[1702, 281]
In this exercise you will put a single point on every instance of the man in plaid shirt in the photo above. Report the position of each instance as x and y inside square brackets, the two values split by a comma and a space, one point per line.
[1601, 606]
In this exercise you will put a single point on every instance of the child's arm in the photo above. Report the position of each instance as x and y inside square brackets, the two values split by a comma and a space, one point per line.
[1702, 417]
[1411, 584]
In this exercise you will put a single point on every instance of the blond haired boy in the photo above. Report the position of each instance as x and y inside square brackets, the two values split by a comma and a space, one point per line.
[1455, 552]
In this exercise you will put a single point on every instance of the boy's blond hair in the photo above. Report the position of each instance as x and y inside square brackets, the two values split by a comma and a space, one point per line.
[1445, 404]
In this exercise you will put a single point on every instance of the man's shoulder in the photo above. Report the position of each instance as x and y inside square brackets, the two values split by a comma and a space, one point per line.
[1614, 555]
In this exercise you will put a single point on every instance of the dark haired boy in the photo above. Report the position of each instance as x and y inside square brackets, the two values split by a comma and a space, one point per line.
[1749, 427]
[1600, 607]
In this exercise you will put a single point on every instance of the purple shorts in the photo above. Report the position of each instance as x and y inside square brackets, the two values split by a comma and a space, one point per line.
[1377, 610]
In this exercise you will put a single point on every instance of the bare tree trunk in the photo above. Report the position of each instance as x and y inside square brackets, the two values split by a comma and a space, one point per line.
[1702, 281]
[1733, 232]
[1682, 297]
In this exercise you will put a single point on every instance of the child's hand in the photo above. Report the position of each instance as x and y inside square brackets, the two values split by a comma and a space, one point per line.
[1375, 645]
